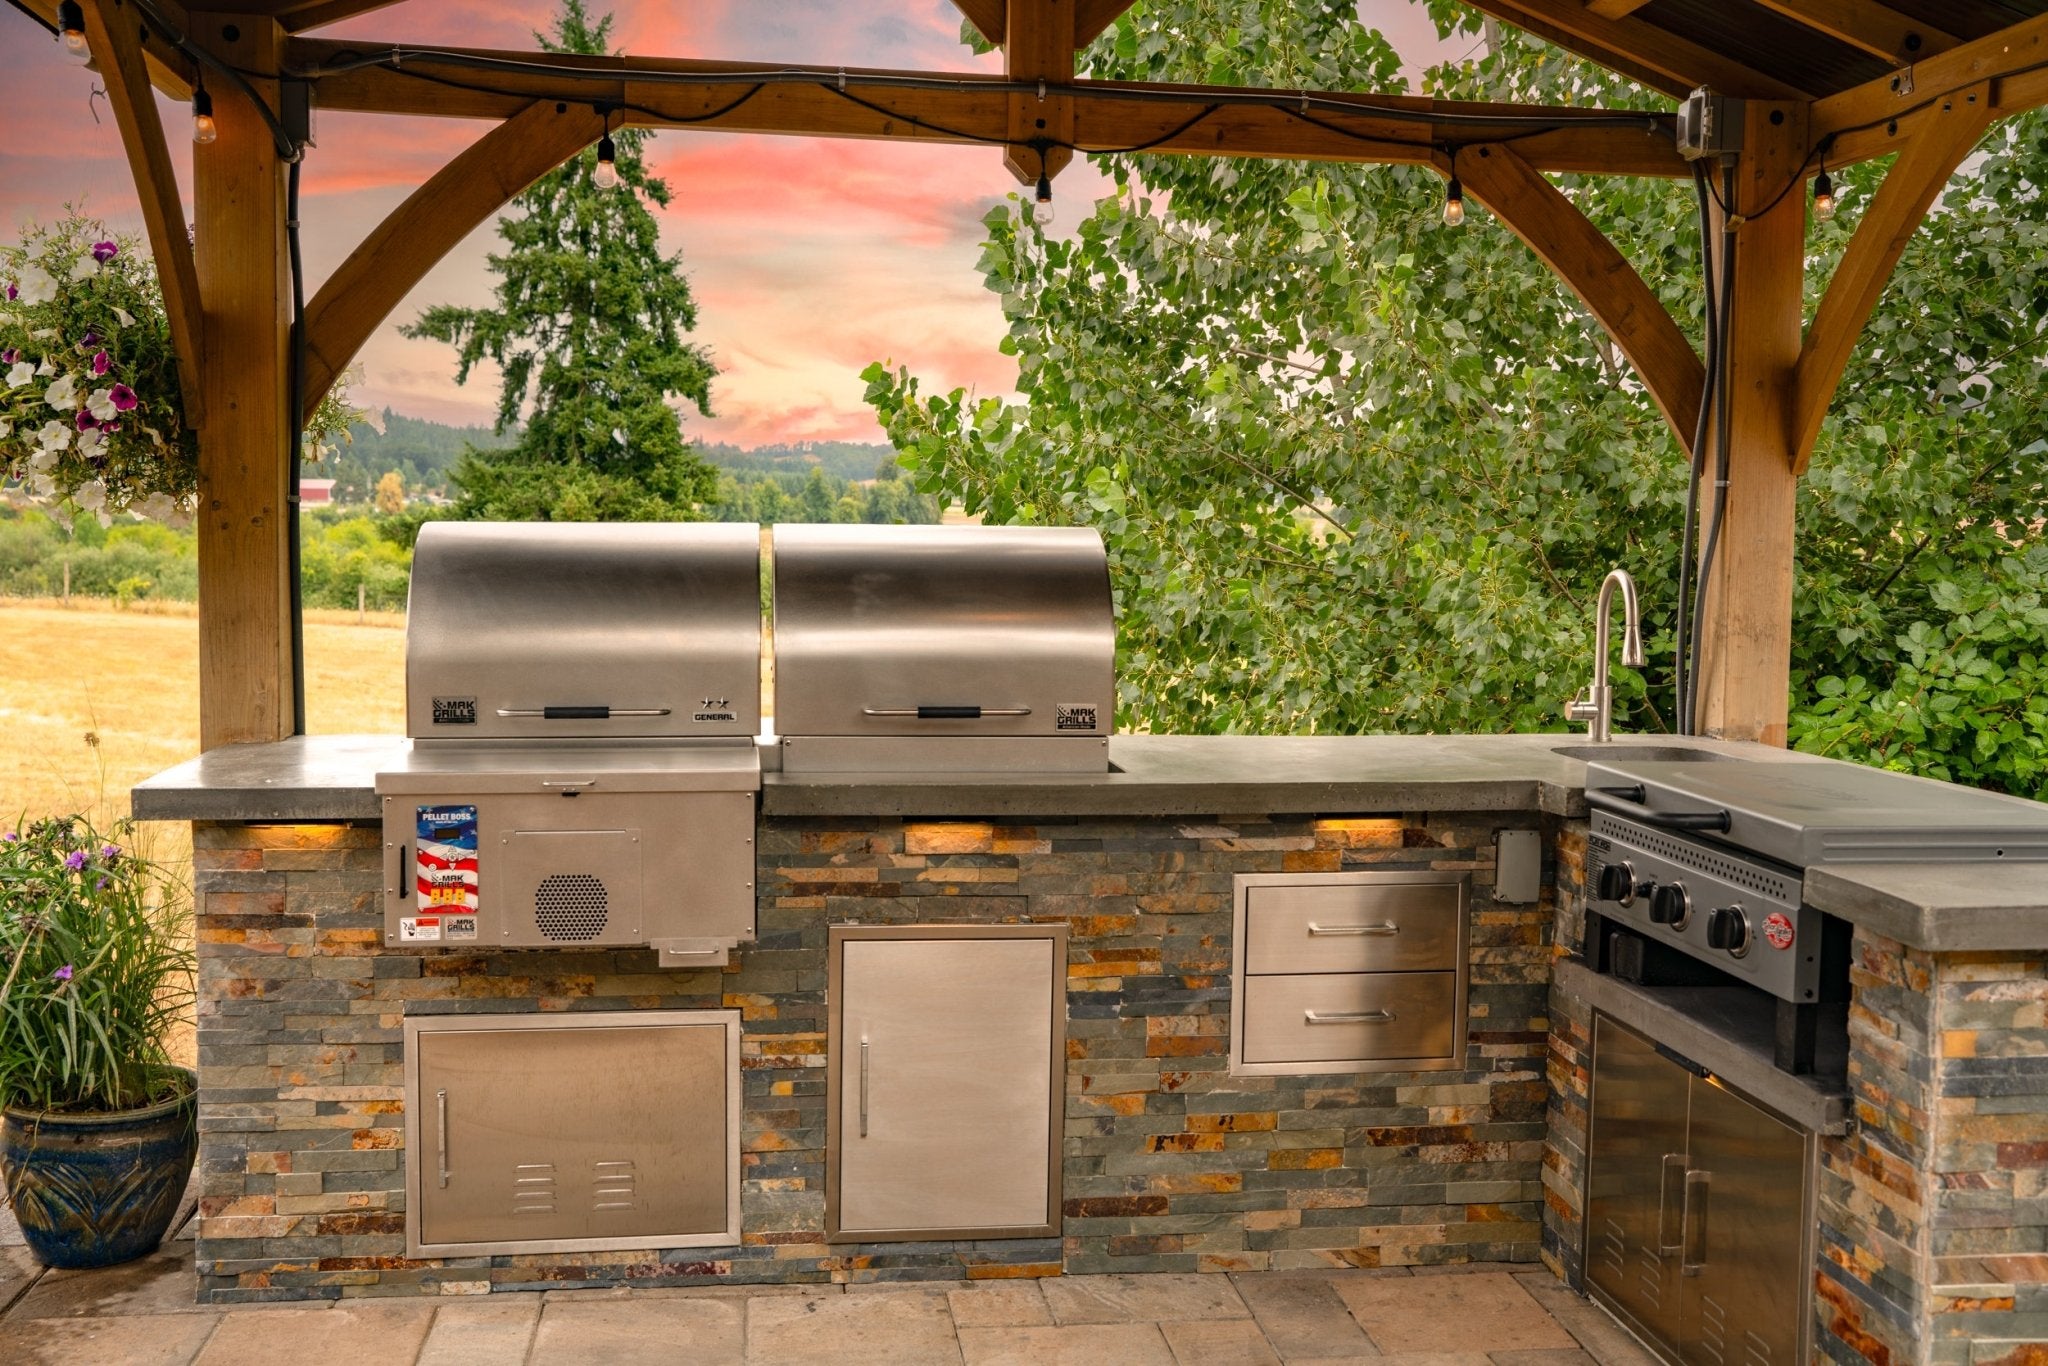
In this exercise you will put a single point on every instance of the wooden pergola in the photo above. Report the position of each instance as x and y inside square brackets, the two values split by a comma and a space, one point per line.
[1843, 80]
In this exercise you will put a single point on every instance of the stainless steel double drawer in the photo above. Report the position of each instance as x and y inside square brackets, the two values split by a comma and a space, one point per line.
[1348, 972]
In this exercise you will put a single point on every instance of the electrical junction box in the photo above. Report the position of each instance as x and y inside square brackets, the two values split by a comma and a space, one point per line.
[1709, 125]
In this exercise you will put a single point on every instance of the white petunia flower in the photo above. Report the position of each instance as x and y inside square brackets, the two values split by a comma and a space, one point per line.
[46, 369]
[156, 507]
[91, 495]
[63, 394]
[43, 460]
[6, 426]
[36, 286]
[20, 373]
[127, 320]
[54, 436]
[100, 403]
[40, 486]
[91, 443]
[85, 268]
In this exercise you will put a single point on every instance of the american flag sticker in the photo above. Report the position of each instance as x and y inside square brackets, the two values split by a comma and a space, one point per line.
[444, 859]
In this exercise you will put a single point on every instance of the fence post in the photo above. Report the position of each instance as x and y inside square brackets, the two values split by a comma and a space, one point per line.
[67, 581]
[362, 595]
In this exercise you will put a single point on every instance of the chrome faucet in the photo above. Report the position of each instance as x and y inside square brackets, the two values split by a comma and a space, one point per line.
[1596, 703]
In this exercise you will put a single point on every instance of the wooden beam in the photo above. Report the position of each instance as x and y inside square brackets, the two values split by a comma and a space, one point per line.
[1631, 46]
[2014, 59]
[1615, 9]
[1092, 18]
[1910, 188]
[1039, 46]
[971, 110]
[245, 648]
[1877, 29]
[988, 17]
[170, 70]
[1745, 649]
[1538, 212]
[297, 18]
[111, 29]
[383, 269]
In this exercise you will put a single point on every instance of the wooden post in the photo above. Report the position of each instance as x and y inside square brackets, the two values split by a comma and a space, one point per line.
[245, 648]
[362, 603]
[1745, 650]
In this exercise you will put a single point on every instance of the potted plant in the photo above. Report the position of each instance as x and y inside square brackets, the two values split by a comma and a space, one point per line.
[97, 1125]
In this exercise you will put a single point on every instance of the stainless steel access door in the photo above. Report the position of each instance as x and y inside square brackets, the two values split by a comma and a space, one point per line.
[945, 1082]
[531, 1133]
[1635, 1179]
[1746, 1264]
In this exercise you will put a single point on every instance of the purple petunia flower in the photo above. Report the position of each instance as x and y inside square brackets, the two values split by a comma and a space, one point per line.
[104, 252]
[123, 397]
[9, 356]
[63, 974]
[100, 363]
[13, 291]
[75, 860]
[84, 420]
[91, 339]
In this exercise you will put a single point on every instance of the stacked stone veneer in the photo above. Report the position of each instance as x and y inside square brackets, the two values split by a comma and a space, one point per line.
[1170, 1163]
[1932, 1215]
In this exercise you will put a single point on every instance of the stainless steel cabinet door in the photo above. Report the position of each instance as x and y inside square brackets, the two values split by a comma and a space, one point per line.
[945, 1055]
[532, 1138]
[1635, 1180]
[1746, 1258]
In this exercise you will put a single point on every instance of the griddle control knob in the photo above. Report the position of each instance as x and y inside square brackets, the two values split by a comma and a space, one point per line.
[1671, 904]
[1728, 928]
[1617, 882]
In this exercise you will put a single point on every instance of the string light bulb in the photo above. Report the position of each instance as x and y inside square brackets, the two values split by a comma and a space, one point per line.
[1454, 203]
[203, 128]
[71, 31]
[1823, 195]
[607, 175]
[1041, 205]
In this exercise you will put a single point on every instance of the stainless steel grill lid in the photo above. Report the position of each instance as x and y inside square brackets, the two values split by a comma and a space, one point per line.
[943, 634]
[558, 630]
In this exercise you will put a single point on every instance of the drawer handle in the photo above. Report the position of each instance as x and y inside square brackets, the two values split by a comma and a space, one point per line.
[1348, 1016]
[863, 1088]
[441, 1137]
[1384, 928]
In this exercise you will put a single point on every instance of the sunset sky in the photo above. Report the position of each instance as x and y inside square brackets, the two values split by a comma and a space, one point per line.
[809, 258]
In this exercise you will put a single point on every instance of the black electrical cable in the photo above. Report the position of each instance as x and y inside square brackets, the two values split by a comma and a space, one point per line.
[295, 441]
[1682, 634]
[1722, 390]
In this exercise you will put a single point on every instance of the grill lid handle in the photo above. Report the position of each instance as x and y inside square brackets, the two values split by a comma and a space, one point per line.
[1628, 801]
[929, 713]
[580, 713]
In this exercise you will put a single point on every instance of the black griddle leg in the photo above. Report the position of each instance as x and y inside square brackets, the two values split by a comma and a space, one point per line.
[1798, 1024]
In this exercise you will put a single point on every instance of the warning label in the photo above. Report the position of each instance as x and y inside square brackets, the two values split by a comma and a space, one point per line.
[420, 929]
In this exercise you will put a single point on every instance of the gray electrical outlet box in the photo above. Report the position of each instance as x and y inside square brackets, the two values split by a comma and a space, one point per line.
[1709, 125]
[1518, 866]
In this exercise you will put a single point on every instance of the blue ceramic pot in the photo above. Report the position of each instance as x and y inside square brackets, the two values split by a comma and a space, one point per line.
[95, 1189]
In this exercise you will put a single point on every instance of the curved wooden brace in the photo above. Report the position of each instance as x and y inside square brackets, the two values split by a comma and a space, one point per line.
[1538, 212]
[1909, 190]
[385, 266]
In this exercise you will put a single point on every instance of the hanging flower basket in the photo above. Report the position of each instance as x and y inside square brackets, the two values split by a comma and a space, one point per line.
[90, 408]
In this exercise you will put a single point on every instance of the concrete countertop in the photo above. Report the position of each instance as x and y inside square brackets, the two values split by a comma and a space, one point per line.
[1941, 907]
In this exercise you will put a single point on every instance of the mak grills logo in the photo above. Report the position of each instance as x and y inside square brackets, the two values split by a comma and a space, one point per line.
[455, 711]
[1073, 716]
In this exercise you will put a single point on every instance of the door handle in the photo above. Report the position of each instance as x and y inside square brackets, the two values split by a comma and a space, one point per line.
[863, 1088]
[1668, 1239]
[1385, 927]
[441, 1137]
[1693, 1223]
[1322, 1017]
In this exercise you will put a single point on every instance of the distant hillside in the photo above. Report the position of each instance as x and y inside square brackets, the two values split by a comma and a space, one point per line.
[423, 452]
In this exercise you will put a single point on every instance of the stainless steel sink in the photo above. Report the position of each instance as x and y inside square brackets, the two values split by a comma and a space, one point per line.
[1648, 754]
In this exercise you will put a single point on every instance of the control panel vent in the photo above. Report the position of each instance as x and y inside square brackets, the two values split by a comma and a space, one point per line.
[571, 907]
[1700, 858]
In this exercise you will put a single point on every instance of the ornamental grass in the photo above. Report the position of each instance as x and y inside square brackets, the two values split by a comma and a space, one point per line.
[99, 969]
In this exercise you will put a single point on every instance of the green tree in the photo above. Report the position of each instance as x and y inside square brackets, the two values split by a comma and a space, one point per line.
[588, 331]
[1361, 472]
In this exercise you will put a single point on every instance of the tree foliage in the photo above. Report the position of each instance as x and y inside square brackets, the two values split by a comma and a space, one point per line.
[1359, 472]
[588, 333]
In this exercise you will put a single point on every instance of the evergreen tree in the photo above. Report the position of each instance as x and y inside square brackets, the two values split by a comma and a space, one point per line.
[588, 330]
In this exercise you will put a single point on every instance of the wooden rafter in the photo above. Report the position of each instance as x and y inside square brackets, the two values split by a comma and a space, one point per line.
[1938, 146]
[1635, 48]
[111, 29]
[970, 111]
[1092, 18]
[1038, 45]
[383, 269]
[297, 18]
[1876, 29]
[989, 18]
[169, 70]
[1615, 9]
[1880, 116]
[1538, 212]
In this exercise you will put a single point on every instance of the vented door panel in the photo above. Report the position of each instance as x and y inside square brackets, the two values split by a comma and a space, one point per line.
[1746, 1262]
[1636, 1179]
[944, 1059]
[570, 1133]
